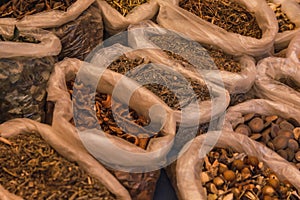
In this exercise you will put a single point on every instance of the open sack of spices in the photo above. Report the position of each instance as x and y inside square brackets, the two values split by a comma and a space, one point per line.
[278, 77]
[275, 125]
[236, 168]
[192, 98]
[288, 18]
[40, 163]
[128, 142]
[237, 27]
[27, 57]
[77, 23]
[118, 14]
[236, 73]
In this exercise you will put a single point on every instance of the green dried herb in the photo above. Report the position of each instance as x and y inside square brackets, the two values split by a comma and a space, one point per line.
[32, 169]
[226, 14]
[20, 8]
[125, 6]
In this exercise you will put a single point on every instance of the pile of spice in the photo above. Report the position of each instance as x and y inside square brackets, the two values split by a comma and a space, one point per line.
[226, 14]
[170, 86]
[284, 23]
[207, 57]
[32, 169]
[230, 175]
[125, 6]
[280, 135]
[21, 8]
[131, 121]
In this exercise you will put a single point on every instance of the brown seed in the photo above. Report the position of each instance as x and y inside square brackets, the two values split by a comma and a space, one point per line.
[286, 125]
[283, 154]
[256, 124]
[236, 192]
[274, 130]
[273, 181]
[238, 164]
[256, 136]
[243, 129]
[271, 118]
[248, 117]
[222, 168]
[286, 132]
[266, 135]
[246, 173]
[252, 160]
[229, 175]
[280, 142]
[296, 132]
[268, 190]
[218, 181]
[293, 144]
[290, 154]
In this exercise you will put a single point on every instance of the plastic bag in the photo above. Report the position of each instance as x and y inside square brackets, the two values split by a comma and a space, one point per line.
[196, 114]
[24, 72]
[115, 22]
[69, 146]
[188, 167]
[277, 77]
[292, 10]
[80, 28]
[172, 17]
[140, 185]
[241, 82]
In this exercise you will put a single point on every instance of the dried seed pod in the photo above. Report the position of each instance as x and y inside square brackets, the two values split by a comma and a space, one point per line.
[238, 164]
[229, 175]
[296, 132]
[286, 132]
[222, 168]
[246, 173]
[268, 190]
[274, 130]
[251, 160]
[290, 154]
[218, 181]
[256, 125]
[286, 125]
[283, 153]
[293, 144]
[248, 117]
[266, 135]
[273, 181]
[236, 192]
[271, 118]
[243, 129]
[280, 142]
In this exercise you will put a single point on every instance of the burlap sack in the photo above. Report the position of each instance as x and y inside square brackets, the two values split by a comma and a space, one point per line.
[293, 50]
[201, 113]
[172, 17]
[24, 71]
[140, 185]
[138, 38]
[67, 144]
[274, 78]
[186, 175]
[115, 22]
[79, 28]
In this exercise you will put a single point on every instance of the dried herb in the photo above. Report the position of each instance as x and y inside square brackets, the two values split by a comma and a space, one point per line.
[284, 23]
[23, 87]
[125, 6]
[21, 8]
[16, 37]
[230, 175]
[32, 169]
[226, 14]
[140, 185]
[222, 61]
[282, 136]
[174, 85]
[106, 118]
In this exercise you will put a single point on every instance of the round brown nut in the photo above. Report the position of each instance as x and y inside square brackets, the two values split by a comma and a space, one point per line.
[243, 129]
[293, 144]
[256, 124]
[229, 175]
[268, 190]
[218, 181]
[252, 160]
[238, 164]
[280, 142]
[290, 154]
[286, 125]
[273, 181]
[274, 130]
[246, 173]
